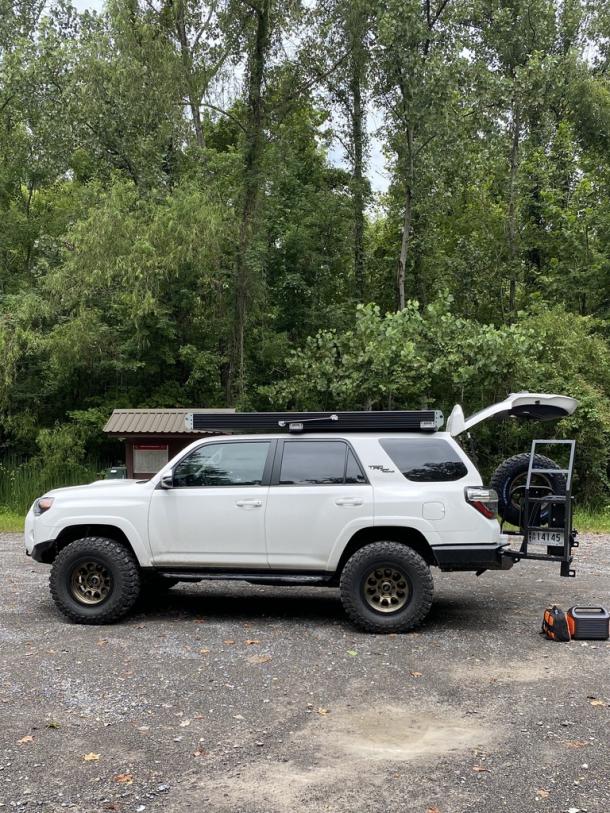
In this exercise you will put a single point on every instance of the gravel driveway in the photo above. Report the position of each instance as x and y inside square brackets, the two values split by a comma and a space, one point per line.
[235, 698]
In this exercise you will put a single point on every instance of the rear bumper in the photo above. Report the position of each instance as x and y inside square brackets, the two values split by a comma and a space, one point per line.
[472, 557]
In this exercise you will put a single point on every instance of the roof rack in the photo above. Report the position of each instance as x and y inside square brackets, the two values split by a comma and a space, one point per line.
[423, 420]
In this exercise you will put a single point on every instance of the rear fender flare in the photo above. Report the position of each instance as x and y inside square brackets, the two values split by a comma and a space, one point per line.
[422, 527]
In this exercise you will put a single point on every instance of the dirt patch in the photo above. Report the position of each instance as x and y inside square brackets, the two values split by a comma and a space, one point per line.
[339, 751]
[391, 733]
[272, 786]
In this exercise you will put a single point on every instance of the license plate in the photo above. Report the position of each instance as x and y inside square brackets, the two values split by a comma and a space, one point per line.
[545, 538]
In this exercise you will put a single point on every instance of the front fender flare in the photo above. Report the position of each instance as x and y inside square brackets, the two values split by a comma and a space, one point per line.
[139, 545]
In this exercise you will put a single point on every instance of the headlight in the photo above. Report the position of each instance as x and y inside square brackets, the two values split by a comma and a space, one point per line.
[42, 505]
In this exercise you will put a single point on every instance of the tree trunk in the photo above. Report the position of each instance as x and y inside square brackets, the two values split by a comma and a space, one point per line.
[407, 222]
[189, 81]
[244, 261]
[357, 118]
[513, 248]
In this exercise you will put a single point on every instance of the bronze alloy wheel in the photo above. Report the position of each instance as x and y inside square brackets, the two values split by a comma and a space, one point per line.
[386, 589]
[90, 582]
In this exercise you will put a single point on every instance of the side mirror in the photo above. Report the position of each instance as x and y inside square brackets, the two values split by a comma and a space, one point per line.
[167, 481]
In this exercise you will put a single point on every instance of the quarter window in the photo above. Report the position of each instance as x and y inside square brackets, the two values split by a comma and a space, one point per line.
[319, 462]
[425, 461]
[353, 472]
[223, 464]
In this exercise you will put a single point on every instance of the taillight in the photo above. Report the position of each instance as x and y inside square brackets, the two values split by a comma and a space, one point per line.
[485, 500]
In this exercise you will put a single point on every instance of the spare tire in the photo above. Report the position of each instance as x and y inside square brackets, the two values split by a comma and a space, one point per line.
[509, 481]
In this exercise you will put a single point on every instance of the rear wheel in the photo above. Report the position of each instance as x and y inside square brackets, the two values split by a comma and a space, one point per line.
[386, 587]
[95, 581]
[509, 481]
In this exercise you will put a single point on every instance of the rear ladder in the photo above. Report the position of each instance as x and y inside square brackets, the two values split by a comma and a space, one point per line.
[556, 533]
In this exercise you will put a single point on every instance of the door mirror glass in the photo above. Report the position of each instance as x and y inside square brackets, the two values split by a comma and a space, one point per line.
[167, 481]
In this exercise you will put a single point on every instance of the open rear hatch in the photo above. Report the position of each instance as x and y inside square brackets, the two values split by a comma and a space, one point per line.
[550, 528]
[526, 405]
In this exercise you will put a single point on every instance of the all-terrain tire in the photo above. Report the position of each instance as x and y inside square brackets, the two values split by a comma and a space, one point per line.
[513, 472]
[119, 571]
[392, 558]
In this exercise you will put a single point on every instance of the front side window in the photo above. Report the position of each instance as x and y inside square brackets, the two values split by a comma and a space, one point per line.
[223, 464]
[319, 462]
[425, 461]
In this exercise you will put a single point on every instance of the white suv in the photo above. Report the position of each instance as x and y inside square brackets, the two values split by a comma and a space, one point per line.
[368, 511]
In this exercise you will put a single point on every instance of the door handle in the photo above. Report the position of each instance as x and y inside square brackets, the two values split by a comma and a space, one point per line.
[249, 503]
[348, 501]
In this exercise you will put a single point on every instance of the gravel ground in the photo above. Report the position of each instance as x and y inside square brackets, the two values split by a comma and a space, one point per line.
[245, 699]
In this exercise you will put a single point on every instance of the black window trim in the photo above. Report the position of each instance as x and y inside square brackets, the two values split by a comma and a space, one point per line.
[279, 454]
[266, 479]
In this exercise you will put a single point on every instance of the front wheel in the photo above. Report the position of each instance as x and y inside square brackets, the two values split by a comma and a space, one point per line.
[95, 581]
[386, 587]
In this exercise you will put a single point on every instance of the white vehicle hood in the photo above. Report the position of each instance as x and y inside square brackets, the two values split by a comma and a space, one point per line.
[98, 485]
[532, 405]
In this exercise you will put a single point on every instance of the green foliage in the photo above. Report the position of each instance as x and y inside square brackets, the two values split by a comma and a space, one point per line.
[22, 483]
[11, 521]
[175, 228]
[593, 520]
[414, 358]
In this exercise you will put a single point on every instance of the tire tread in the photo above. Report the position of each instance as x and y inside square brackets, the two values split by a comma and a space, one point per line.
[388, 548]
[130, 574]
[508, 469]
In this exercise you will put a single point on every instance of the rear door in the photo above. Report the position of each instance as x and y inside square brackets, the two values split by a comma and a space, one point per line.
[319, 495]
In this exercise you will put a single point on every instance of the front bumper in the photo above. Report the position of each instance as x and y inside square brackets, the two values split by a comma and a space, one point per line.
[472, 557]
[39, 539]
[44, 552]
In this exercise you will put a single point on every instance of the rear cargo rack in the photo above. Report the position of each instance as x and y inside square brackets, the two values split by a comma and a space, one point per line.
[422, 420]
[556, 533]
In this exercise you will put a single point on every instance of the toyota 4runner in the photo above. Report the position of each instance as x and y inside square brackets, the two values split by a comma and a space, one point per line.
[366, 502]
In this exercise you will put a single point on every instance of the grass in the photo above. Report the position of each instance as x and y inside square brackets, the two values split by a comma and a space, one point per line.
[11, 522]
[22, 483]
[589, 520]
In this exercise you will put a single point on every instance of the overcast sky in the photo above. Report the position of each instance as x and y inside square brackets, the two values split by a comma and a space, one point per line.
[81, 5]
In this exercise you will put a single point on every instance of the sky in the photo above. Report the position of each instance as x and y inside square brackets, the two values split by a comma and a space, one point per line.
[94, 5]
[377, 173]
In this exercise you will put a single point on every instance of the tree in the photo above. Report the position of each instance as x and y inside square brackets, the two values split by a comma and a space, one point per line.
[340, 46]
[417, 53]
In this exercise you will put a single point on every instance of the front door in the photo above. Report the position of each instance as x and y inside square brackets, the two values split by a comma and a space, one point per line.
[214, 515]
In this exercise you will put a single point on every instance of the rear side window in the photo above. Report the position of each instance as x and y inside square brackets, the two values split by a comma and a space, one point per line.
[319, 462]
[425, 461]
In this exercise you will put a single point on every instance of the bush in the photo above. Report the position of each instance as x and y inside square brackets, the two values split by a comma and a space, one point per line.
[417, 358]
[22, 483]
